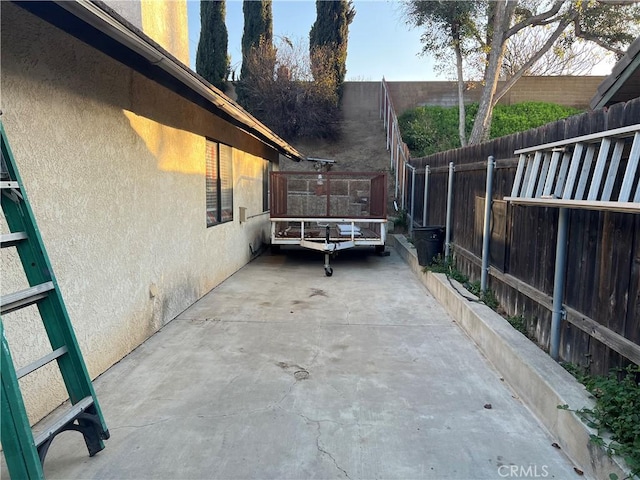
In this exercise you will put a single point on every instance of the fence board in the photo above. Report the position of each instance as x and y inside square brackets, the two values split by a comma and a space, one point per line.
[603, 269]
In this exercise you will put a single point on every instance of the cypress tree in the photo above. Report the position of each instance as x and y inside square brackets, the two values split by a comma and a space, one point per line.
[258, 25]
[257, 35]
[212, 60]
[331, 31]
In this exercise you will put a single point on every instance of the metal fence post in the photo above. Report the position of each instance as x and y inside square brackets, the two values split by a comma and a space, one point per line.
[425, 199]
[558, 282]
[403, 182]
[413, 197]
[447, 244]
[381, 97]
[396, 168]
[486, 238]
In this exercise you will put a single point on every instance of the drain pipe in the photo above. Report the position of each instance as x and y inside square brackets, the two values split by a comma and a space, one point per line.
[447, 241]
[486, 238]
[558, 282]
[425, 199]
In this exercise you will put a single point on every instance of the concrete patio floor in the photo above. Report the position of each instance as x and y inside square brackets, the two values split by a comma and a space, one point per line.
[283, 373]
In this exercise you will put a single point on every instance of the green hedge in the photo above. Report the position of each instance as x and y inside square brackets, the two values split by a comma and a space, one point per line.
[428, 129]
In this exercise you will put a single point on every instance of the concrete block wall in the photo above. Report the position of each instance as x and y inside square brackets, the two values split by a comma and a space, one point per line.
[564, 90]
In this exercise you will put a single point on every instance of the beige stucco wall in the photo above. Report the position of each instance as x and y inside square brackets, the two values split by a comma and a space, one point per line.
[114, 168]
[165, 21]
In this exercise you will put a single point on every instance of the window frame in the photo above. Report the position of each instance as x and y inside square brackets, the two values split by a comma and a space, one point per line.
[218, 183]
[267, 168]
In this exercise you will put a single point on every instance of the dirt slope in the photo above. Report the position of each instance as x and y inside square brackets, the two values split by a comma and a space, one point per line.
[362, 144]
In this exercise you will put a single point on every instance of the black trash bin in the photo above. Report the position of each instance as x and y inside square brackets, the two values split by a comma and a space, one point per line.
[429, 242]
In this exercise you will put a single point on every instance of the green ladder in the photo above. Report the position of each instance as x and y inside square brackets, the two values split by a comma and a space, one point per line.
[25, 452]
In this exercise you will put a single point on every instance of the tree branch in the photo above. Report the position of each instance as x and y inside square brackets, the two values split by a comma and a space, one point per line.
[545, 48]
[541, 19]
[594, 38]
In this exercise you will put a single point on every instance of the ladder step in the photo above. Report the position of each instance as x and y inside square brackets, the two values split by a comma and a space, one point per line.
[58, 352]
[12, 239]
[24, 298]
[52, 427]
[25, 449]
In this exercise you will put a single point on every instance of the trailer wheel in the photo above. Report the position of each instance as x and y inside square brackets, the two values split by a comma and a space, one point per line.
[328, 271]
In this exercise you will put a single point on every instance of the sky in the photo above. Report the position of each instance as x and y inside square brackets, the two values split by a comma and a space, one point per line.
[380, 44]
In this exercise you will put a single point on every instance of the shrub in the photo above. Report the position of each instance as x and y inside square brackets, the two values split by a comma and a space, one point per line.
[428, 129]
[617, 397]
[508, 119]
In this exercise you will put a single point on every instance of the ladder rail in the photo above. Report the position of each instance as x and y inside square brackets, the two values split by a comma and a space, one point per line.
[20, 453]
[630, 172]
[38, 270]
[582, 172]
[592, 137]
[85, 414]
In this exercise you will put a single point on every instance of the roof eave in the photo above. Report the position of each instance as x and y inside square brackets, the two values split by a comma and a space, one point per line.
[102, 19]
[620, 74]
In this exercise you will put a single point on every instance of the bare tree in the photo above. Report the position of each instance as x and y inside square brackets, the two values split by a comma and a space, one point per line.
[297, 99]
[575, 58]
[610, 25]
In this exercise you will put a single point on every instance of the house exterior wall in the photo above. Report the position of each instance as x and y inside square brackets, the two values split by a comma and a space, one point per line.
[114, 167]
[165, 22]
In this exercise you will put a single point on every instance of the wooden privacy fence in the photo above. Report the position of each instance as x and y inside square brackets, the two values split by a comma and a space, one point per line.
[600, 327]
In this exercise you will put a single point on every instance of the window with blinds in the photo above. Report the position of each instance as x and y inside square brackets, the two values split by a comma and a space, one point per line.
[219, 183]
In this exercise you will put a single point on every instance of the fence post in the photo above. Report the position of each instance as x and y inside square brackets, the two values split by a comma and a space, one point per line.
[447, 244]
[403, 182]
[390, 147]
[381, 97]
[558, 282]
[413, 197]
[425, 199]
[396, 168]
[488, 199]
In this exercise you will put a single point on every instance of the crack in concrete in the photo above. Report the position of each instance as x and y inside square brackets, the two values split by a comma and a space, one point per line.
[314, 358]
[321, 449]
[144, 425]
[277, 404]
